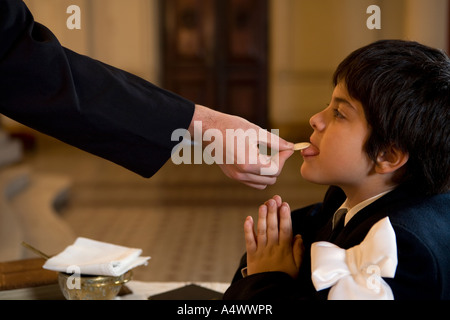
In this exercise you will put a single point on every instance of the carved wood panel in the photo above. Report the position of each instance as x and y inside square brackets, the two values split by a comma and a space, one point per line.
[215, 53]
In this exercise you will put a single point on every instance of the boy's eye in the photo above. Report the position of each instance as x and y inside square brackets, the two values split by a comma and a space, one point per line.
[337, 114]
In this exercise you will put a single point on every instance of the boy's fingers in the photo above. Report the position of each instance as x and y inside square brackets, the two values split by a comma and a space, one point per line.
[272, 222]
[249, 234]
[278, 200]
[261, 229]
[285, 224]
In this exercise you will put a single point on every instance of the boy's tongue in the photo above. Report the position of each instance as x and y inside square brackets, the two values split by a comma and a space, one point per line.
[311, 151]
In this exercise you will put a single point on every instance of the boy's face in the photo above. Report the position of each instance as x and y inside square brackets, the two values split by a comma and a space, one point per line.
[337, 155]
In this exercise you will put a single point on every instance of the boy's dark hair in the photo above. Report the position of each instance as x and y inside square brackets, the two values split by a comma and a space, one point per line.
[404, 88]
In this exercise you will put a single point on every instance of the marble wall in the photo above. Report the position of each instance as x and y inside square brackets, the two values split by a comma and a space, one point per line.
[307, 40]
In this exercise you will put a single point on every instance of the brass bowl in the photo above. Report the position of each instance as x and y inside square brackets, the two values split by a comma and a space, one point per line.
[86, 287]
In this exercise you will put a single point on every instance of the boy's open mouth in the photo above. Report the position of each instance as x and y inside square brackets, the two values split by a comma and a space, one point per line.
[312, 151]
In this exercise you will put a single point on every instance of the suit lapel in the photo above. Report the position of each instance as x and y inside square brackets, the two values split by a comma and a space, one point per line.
[358, 227]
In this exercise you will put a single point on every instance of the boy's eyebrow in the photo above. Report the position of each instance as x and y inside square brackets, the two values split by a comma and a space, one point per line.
[344, 101]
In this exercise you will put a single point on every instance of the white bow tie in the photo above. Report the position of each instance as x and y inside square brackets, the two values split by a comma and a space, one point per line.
[357, 273]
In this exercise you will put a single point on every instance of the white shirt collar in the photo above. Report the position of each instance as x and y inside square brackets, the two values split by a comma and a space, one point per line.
[353, 211]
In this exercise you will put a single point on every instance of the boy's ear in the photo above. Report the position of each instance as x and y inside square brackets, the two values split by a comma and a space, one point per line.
[390, 160]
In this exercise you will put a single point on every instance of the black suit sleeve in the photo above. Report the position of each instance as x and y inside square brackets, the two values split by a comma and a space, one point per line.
[418, 275]
[81, 101]
[274, 286]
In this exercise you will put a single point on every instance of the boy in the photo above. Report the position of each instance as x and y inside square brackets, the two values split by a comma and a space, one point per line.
[383, 144]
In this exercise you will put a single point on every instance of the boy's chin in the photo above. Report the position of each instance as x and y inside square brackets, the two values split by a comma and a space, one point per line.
[311, 176]
[308, 174]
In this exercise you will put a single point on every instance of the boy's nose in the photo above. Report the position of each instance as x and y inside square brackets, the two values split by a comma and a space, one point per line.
[317, 122]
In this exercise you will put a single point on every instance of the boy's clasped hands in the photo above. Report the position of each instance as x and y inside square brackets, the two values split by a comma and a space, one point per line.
[272, 246]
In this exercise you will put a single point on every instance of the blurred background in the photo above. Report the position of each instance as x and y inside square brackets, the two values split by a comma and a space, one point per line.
[270, 61]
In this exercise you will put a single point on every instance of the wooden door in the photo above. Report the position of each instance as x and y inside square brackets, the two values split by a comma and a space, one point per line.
[215, 53]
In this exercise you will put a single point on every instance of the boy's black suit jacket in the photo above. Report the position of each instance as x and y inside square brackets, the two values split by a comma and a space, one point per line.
[422, 229]
[81, 101]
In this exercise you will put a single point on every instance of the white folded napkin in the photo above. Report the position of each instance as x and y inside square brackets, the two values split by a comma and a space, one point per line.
[96, 258]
